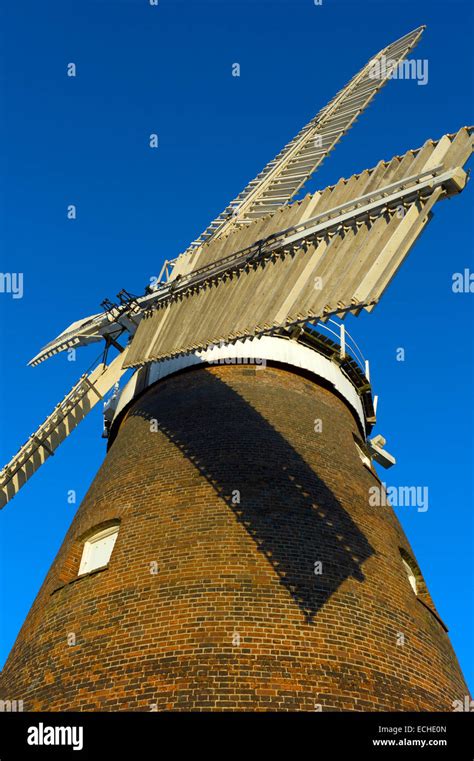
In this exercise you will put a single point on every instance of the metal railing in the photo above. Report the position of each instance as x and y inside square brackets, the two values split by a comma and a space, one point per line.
[347, 344]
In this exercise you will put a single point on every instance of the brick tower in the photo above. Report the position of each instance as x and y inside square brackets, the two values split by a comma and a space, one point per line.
[249, 570]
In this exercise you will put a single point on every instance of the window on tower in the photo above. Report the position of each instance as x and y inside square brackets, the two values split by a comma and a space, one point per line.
[411, 576]
[417, 583]
[98, 549]
[363, 452]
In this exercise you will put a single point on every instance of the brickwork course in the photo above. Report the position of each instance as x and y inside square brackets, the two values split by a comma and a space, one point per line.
[250, 571]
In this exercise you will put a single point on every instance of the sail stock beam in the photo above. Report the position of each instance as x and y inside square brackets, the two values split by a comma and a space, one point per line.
[78, 402]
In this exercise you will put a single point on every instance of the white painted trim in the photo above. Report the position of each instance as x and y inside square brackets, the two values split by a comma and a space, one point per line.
[258, 351]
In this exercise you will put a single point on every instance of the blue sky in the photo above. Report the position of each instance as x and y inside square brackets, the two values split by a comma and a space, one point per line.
[84, 141]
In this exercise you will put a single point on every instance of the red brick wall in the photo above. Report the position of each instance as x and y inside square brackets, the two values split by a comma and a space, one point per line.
[235, 617]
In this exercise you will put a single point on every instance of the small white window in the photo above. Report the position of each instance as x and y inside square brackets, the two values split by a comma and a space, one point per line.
[411, 576]
[98, 549]
[363, 456]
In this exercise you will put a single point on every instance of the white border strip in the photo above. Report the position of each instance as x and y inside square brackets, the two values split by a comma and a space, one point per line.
[256, 351]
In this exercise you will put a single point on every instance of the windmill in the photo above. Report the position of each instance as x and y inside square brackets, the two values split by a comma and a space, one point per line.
[267, 270]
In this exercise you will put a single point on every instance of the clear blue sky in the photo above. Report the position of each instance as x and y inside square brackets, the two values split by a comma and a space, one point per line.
[84, 141]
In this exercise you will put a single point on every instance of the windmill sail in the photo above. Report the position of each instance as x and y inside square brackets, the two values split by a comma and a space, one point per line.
[84, 395]
[273, 188]
[108, 325]
[80, 333]
[338, 260]
[285, 175]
